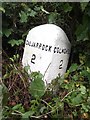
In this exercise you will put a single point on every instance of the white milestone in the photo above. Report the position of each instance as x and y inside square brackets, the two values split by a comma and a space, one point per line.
[47, 50]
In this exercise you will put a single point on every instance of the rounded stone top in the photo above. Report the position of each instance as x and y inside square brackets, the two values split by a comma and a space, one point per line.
[49, 31]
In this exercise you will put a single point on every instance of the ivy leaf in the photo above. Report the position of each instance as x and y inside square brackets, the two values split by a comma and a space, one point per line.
[83, 5]
[52, 17]
[2, 9]
[67, 7]
[7, 32]
[14, 42]
[20, 42]
[73, 67]
[23, 17]
[32, 13]
[37, 87]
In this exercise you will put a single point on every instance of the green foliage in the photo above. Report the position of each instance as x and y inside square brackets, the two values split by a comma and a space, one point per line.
[52, 17]
[5, 95]
[7, 32]
[83, 5]
[2, 9]
[73, 68]
[82, 31]
[23, 17]
[67, 7]
[37, 87]
[27, 115]
[28, 98]
[1, 97]
[14, 42]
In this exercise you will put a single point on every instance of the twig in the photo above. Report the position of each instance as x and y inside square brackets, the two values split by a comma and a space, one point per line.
[42, 114]
[68, 94]
[46, 103]
[16, 113]
[20, 76]
[51, 107]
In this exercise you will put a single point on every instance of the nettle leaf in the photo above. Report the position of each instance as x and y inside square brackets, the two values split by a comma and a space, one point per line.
[77, 99]
[19, 108]
[16, 107]
[7, 32]
[23, 17]
[73, 67]
[37, 87]
[26, 115]
[67, 7]
[14, 42]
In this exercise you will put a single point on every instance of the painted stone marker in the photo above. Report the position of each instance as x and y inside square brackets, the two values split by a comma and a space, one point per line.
[47, 50]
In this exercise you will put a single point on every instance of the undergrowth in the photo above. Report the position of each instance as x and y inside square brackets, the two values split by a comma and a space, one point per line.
[26, 96]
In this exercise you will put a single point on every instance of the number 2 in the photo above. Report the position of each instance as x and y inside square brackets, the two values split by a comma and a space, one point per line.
[61, 63]
[33, 58]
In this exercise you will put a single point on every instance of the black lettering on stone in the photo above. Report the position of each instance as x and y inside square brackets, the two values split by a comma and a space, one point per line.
[54, 49]
[46, 47]
[40, 45]
[64, 51]
[37, 44]
[33, 44]
[57, 49]
[26, 42]
[60, 51]
[49, 48]
[43, 47]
